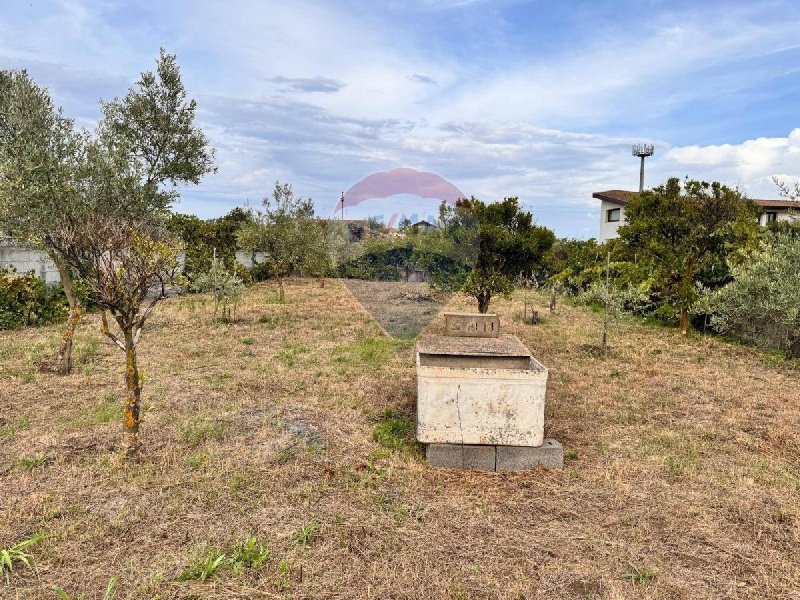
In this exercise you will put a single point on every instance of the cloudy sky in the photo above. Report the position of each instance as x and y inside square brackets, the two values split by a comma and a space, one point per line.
[535, 99]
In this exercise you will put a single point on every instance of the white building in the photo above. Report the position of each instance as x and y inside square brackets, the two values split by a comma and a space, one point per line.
[613, 203]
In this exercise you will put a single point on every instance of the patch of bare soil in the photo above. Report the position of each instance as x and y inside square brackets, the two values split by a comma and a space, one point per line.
[403, 309]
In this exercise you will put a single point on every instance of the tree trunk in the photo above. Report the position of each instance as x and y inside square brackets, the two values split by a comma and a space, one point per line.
[483, 301]
[65, 351]
[322, 282]
[794, 345]
[553, 302]
[280, 288]
[684, 320]
[130, 426]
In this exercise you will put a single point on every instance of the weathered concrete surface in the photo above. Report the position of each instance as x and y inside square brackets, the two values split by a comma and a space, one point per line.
[521, 458]
[461, 403]
[458, 456]
[471, 324]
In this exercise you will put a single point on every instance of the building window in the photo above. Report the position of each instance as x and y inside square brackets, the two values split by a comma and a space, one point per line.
[612, 215]
[771, 217]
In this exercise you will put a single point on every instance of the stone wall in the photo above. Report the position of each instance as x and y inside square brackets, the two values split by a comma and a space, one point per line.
[25, 259]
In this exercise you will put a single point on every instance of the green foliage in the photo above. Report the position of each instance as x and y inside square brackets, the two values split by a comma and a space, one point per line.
[395, 431]
[247, 554]
[286, 231]
[372, 352]
[687, 234]
[762, 303]
[109, 594]
[10, 430]
[41, 156]
[151, 138]
[33, 462]
[225, 287]
[638, 574]
[201, 239]
[488, 245]
[306, 534]
[26, 300]
[196, 432]
[18, 555]
[106, 411]
[206, 565]
[211, 562]
[289, 354]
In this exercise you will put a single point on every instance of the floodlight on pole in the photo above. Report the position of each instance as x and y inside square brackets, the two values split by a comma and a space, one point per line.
[642, 151]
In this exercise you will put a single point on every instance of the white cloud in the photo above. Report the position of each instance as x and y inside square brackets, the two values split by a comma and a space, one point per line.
[322, 94]
[751, 164]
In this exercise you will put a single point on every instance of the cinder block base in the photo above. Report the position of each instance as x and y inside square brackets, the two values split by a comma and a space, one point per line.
[458, 456]
[496, 458]
[521, 458]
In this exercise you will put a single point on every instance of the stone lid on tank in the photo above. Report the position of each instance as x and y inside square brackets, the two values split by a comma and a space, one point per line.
[502, 352]
[503, 345]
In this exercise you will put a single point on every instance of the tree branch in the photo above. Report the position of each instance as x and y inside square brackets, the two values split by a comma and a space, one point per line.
[104, 329]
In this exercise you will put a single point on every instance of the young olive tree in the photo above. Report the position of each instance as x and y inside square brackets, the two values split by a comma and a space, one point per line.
[286, 231]
[328, 249]
[41, 156]
[225, 288]
[123, 262]
[762, 303]
[683, 232]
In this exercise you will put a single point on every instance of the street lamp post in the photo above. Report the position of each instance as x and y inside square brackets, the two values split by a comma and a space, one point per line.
[643, 151]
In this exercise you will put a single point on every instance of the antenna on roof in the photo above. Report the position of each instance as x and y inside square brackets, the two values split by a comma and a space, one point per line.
[642, 151]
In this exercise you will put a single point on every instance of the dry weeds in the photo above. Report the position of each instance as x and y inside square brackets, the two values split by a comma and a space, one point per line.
[684, 462]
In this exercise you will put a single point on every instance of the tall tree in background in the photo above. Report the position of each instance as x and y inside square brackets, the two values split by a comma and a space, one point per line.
[503, 238]
[286, 230]
[202, 238]
[684, 232]
[41, 160]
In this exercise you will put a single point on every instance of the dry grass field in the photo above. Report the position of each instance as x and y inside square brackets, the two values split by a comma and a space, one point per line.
[295, 426]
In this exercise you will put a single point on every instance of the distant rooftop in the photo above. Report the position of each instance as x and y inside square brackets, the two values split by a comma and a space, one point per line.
[622, 197]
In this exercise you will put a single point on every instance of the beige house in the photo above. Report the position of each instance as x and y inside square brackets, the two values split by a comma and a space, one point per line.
[613, 203]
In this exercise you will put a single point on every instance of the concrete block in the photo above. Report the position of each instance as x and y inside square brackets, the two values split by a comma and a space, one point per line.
[458, 456]
[520, 458]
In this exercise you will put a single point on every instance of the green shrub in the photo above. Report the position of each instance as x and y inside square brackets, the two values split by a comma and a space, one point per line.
[26, 300]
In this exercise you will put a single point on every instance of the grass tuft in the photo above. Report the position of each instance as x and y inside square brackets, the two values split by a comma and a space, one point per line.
[17, 555]
[306, 534]
[196, 432]
[395, 431]
[638, 574]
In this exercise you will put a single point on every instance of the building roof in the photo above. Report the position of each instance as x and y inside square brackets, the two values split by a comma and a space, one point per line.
[622, 197]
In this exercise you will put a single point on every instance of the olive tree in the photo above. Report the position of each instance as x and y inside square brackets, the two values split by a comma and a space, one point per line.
[53, 177]
[762, 303]
[41, 155]
[488, 244]
[286, 231]
[123, 261]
